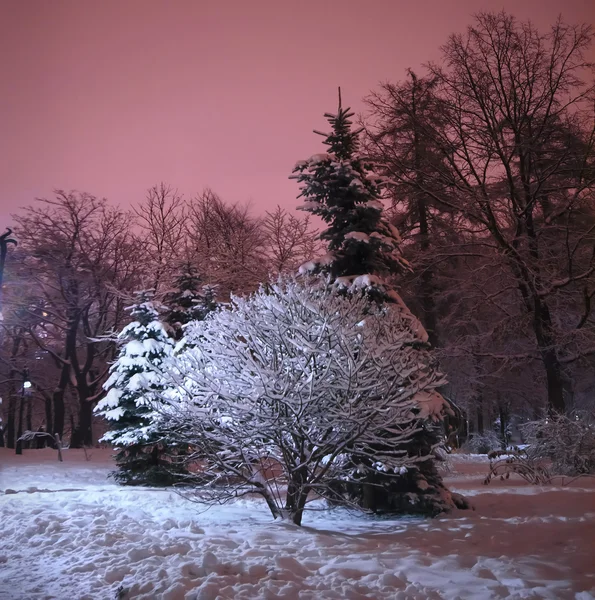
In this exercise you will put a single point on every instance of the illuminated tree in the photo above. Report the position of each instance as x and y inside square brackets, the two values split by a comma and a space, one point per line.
[299, 391]
[133, 387]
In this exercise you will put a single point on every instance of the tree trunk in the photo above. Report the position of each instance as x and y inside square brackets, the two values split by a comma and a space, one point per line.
[29, 418]
[297, 494]
[503, 414]
[11, 414]
[542, 325]
[19, 443]
[429, 306]
[426, 280]
[58, 401]
[555, 383]
[58, 443]
[270, 502]
[49, 426]
[479, 409]
[544, 329]
[83, 434]
[12, 394]
[298, 512]
[426, 284]
[528, 284]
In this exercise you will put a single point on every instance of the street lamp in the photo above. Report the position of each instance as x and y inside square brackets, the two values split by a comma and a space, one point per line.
[25, 391]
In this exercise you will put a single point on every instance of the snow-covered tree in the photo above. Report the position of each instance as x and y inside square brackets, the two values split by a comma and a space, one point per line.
[298, 390]
[340, 187]
[133, 388]
[190, 300]
[364, 254]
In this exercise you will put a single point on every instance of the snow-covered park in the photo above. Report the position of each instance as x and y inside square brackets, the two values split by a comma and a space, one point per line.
[282, 375]
[68, 532]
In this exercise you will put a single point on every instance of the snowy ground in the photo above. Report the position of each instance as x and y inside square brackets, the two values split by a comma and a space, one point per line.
[69, 533]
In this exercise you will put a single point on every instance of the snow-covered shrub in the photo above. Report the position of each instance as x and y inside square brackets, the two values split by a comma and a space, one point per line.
[482, 443]
[296, 389]
[567, 441]
[505, 462]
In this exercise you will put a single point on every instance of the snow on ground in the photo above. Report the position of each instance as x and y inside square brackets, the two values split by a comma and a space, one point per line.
[69, 533]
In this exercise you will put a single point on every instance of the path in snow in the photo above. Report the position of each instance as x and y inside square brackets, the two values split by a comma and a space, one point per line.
[69, 533]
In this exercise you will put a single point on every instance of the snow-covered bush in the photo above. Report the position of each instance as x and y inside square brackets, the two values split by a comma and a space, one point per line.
[482, 443]
[297, 389]
[567, 441]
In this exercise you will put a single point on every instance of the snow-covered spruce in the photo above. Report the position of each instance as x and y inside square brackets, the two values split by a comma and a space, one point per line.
[340, 187]
[297, 390]
[133, 389]
[363, 255]
[190, 300]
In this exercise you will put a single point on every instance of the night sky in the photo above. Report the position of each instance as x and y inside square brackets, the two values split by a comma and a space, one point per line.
[114, 96]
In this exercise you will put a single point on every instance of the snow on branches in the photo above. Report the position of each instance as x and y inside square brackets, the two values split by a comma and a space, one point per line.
[301, 386]
[133, 392]
[133, 380]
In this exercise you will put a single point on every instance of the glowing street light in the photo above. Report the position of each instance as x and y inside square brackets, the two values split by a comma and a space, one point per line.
[25, 392]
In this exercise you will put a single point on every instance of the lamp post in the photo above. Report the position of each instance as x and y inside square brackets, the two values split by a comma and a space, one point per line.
[1, 428]
[5, 239]
[25, 392]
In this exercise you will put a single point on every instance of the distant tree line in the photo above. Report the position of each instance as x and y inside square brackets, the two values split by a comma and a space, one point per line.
[75, 270]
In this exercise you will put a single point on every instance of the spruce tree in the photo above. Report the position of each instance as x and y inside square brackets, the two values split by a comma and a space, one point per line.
[363, 257]
[189, 300]
[340, 187]
[133, 388]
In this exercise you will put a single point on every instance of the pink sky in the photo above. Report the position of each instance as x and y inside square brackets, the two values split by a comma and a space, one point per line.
[114, 96]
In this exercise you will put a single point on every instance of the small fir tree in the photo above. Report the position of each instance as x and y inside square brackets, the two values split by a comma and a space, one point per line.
[190, 300]
[363, 255]
[133, 387]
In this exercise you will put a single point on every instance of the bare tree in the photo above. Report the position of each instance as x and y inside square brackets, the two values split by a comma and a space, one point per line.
[400, 115]
[289, 240]
[162, 221]
[226, 243]
[79, 254]
[516, 145]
